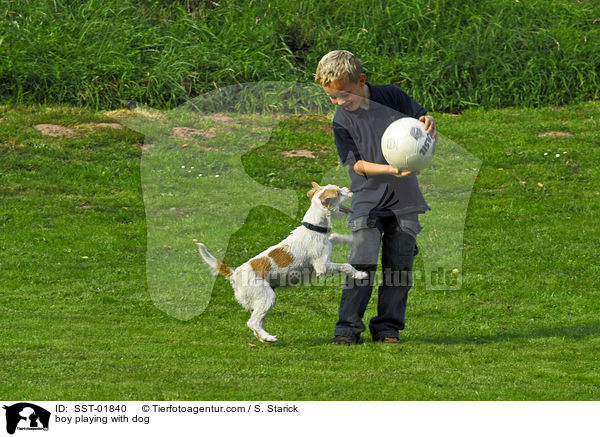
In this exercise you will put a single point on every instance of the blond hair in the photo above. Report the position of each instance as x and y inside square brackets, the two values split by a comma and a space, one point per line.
[336, 66]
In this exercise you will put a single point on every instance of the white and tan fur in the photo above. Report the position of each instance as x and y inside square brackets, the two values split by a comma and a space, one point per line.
[303, 251]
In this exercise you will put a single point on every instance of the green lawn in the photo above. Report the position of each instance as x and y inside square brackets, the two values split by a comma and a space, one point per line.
[78, 320]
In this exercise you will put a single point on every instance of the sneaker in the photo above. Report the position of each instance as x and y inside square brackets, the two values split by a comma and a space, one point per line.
[343, 340]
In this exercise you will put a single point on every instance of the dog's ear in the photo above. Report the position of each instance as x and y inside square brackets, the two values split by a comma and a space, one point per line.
[315, 187]
[328, 198]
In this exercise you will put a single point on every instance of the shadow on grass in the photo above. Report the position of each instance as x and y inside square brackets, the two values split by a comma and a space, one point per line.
[573, 332]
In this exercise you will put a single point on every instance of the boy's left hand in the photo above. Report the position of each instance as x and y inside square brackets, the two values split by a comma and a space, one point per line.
[430, 125]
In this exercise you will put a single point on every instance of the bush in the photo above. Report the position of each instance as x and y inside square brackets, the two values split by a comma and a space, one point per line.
[449, 55]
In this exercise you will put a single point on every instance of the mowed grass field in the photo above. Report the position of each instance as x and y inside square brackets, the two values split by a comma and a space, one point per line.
[78, 321]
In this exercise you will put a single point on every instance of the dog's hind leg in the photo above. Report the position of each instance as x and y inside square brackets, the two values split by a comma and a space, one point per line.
[260, 309]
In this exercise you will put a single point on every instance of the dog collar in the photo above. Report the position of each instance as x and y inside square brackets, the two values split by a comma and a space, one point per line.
[316, 228]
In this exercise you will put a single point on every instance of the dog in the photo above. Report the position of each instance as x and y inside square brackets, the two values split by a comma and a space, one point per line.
[304, 253]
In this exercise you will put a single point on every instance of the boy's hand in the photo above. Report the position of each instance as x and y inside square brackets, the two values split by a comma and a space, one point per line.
[430, 125]
[401, 174]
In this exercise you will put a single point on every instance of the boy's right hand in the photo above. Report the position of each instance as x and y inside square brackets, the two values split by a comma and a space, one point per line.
[401, 174]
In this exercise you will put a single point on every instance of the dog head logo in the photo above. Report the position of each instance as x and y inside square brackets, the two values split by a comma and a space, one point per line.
[25, 416]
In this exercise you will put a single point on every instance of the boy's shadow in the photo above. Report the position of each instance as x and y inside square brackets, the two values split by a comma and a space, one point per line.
[575, 332]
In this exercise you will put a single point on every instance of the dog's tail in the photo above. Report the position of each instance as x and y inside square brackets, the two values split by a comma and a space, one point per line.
[216, 265]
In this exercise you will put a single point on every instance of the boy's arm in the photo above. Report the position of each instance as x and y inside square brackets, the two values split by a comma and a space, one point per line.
[370, 168]
[346, 147]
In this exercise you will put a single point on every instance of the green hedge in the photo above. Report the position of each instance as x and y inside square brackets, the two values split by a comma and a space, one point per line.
[448, 54]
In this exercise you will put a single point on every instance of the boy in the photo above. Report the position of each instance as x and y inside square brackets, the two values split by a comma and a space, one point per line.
[386, 201]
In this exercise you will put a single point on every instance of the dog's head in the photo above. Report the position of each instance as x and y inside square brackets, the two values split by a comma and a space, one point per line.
[330, 197]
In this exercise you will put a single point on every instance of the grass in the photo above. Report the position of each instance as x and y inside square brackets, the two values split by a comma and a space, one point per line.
[448, 55]
[79, 321]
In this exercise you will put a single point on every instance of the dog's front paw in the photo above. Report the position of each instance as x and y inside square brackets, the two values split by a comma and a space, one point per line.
[360, 275]
[320, 271]
[340, 239]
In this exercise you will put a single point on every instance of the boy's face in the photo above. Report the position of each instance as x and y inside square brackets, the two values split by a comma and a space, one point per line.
[347, 94]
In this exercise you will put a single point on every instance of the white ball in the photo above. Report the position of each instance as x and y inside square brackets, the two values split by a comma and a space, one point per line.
[406, 145]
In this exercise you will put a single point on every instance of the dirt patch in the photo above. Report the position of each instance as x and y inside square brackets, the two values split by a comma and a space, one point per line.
[117, 113]
[328, 129]
[142, 111]
[300, 153]
[557, 134]
[145, 146]
[147, 112]
[189, 133]
[55, 130]
[221, 119]
[101, 125]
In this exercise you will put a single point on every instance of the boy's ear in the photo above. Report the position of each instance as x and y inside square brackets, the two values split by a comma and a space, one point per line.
[315, 187]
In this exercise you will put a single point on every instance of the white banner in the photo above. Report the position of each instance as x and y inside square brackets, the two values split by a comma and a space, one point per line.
[23, 419]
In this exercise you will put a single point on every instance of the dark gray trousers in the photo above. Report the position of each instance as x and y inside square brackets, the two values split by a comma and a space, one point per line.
[398, 251]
